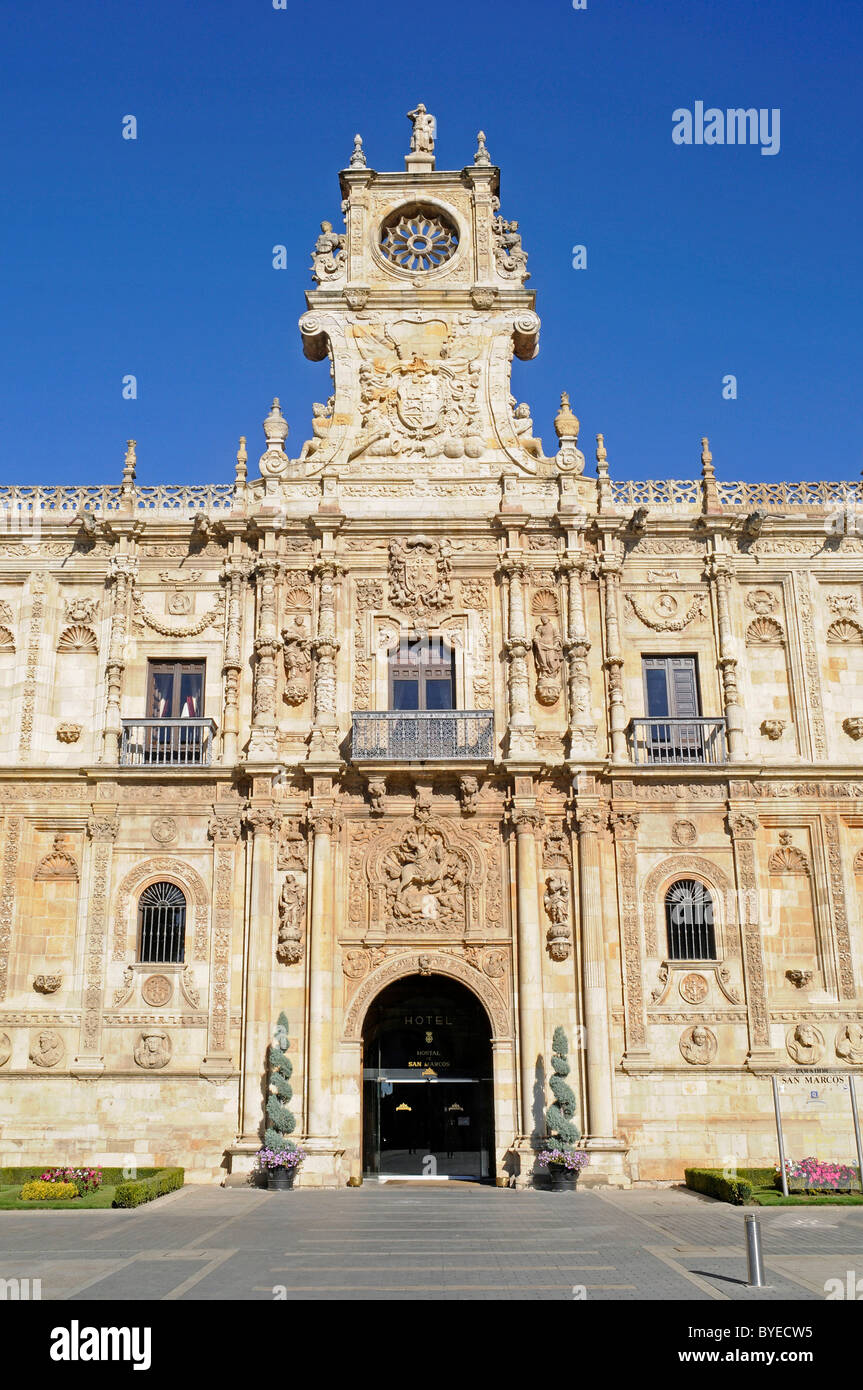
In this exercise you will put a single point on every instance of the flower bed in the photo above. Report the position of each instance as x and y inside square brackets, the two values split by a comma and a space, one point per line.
[114, 1189]
[818, 1175]
[48, 1189]
[84, 1179]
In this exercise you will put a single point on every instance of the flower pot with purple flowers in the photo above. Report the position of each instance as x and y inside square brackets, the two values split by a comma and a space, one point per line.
[564, 1166]
[280, 1167]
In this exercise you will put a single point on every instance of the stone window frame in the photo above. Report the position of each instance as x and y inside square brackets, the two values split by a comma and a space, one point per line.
[653, 894]
[403, 206]
[382, 620]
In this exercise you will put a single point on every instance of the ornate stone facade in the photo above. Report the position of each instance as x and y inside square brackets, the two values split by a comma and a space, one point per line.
[526, 849]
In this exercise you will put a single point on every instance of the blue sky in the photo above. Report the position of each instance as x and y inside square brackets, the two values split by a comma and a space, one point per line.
[154, 256]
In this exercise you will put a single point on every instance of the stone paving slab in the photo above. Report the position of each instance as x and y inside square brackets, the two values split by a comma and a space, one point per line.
[377, 1243]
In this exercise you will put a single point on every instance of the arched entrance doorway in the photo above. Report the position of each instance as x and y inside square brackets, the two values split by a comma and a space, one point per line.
[427, 1082]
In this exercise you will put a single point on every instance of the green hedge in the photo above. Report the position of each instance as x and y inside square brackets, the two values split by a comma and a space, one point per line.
[132, 1194]
[737, 1190]
[10, 1177]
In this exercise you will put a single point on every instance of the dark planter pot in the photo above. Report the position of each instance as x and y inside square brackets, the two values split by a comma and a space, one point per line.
[562, 1179]
[280, 1179]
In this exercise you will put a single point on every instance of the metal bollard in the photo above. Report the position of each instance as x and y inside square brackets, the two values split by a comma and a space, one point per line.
[753, 1253]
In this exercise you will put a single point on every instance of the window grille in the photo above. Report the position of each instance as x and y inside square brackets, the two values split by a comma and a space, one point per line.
[162, 923]
[689, 919]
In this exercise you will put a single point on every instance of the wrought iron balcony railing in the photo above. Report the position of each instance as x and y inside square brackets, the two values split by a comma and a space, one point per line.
[424, 736]
[167, 742]
[677, 740]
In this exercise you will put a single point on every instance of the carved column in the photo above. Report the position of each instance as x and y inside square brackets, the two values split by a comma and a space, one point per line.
[224, 831]
[719, 568]
[234, 573]
[600, 1106]
[122, 576]
[521, 732]
[261, 820]
[625, 827]
[321, 950]
[532, 1048]
[610, 568]
[743, 829]
[325, 729]
[263, 744]
[582, 730]
[102, 832]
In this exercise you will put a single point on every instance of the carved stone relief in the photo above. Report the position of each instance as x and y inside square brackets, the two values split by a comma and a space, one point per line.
[698, 1045]
[556, 904]
[805, 1044]
[419, 573]
[60, 863]
[292, 916]
[47, 1049]
[152, 1050]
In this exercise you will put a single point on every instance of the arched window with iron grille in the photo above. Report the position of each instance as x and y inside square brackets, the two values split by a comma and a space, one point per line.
[689, 920]
[162, 923]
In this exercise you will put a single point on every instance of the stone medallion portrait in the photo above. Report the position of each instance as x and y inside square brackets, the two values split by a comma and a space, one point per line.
[46, 1048]
[5, 1048]
[693, 988]
[849, 1043]
[156, 990]
[152, 1050]
[805, 1043]
[355, 964]
[494, 964]
[698, 1045]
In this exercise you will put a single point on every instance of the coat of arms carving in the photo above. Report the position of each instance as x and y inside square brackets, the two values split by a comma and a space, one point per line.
[419, 392]
[419, 570]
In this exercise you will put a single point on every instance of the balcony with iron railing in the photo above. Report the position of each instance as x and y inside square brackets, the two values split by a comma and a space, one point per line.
[167, 742]
[402, 736]
[677, 741]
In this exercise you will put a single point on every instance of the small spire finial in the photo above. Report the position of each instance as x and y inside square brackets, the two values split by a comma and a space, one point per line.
[707, 468]
[130, 464]
[242, 460]
[482, 155]
[601, 455]
[566, 424]
[358, 158]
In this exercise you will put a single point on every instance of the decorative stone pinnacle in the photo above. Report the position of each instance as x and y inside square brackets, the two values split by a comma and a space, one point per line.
[482, 155]
[601, 455]
[131, 461]
[276, 427]
[565, 423]
[242, 460]
[707, 468]
[358, 158]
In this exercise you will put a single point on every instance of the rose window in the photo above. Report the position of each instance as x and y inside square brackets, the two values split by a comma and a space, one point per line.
[418, 241]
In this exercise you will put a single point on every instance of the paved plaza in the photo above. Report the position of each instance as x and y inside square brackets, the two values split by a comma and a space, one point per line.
[451, 1242]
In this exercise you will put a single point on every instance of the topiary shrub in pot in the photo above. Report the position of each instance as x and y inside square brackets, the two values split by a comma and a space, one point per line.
[280, 1157]
[563, 1161]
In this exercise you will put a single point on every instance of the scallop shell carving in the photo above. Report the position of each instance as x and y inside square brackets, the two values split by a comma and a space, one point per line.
[544, 603]
[764, 632]
[844, 630]
[7, 641]
[77, 638]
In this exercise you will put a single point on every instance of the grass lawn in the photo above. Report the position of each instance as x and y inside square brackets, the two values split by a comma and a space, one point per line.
[102, 1197]
[773, 1197]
